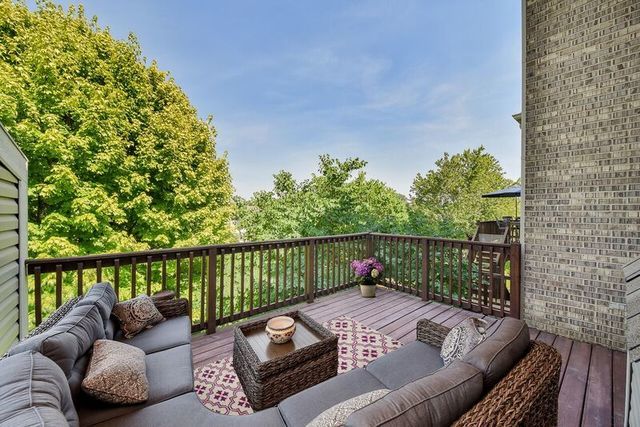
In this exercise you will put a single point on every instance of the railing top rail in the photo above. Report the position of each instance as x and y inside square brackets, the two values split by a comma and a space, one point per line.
[186, 249]
[442, 239]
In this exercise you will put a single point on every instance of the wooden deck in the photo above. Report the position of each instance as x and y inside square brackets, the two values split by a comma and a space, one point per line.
[593, 377]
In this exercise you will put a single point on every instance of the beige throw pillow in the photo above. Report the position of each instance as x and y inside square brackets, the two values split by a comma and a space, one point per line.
[136, 314]
[337, 415]
[462, 339]
[117, 373]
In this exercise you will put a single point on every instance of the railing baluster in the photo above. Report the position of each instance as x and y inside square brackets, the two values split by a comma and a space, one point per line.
[251, 278]
[203, 286]
[116, 277]
[178, 273]
[134, 277]
[211, 284]
[99, 271]
[260, 276]
[514, 278]
[284, 273]
[37, 279]
[425, 269]
[149, 274]
[232, 282]
[80, 285]
[491, 262]
[269, 276]
[460, 275]
[450, 260]
[164, 272]
[190, 290]
[58, 285]
[242, 270]
[222, 256]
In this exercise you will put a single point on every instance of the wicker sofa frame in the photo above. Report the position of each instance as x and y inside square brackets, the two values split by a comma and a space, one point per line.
[526, 396]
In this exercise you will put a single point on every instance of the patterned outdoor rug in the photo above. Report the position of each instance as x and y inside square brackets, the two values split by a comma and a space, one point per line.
[219, 389]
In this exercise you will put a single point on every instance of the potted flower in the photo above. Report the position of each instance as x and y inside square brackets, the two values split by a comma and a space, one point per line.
[368, 273]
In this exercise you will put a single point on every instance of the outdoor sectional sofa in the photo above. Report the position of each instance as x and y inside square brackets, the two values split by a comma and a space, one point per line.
[506, 380]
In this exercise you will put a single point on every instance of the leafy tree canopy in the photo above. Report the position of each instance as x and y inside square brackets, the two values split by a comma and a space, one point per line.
[447, 201]
[119, 159]
[338, 199]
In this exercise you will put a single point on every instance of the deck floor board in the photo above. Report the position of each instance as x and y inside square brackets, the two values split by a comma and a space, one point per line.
[592, 377]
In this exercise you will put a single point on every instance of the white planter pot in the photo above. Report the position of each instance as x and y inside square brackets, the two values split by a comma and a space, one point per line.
[368, 291]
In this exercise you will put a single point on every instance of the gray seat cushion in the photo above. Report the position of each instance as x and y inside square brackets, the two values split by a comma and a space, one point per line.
[102, 296]
[69, 340]
[436, 400]
[32, 385]
[406, 364]
[500, 351]
[167, 334]
[186, 410]
[169, 373]
[301, 408]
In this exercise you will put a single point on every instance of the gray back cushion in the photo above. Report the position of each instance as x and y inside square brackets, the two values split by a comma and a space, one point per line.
[500, 351]
[435, 400]
[32, 385]
[67, 341]
[102, 296]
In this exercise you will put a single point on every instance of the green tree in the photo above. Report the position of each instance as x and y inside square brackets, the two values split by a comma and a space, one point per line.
[119, 158]
[447, 201]
[338, 199]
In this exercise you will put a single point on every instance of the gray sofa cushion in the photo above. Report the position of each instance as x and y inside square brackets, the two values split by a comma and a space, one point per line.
[36, 417]
[111, 329]
[69, 340]
[170, 333]
[169, 373]
[186, 410]
[406, 364]
[102, 296]
[435, 400]
[301, 408]
[500, 351]
[30, 380]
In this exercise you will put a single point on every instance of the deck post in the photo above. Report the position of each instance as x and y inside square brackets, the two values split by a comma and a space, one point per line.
[211, 290]
[309, 276]
[425, 270]
[370, 248]
[514, 256]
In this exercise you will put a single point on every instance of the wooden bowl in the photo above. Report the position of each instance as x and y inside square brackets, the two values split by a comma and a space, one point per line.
[280, 329]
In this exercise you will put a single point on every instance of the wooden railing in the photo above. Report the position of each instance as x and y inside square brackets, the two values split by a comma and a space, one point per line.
[228, 282]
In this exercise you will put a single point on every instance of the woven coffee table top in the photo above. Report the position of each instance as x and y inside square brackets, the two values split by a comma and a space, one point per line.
[266, 350]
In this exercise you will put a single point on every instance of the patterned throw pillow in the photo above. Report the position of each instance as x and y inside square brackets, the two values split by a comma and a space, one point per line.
[116, 373]
[136, 314]
[338, 414]
[462, 339]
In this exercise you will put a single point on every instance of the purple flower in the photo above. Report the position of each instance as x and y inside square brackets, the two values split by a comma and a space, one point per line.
[364, 267]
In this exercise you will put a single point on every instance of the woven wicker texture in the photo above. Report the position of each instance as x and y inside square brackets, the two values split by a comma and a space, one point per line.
[172, 308]
[267, 383]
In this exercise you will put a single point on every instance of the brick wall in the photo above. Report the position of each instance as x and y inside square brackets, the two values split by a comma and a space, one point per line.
[582, 164]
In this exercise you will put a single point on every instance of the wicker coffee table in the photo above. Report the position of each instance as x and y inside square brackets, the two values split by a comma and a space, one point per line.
[269, 373]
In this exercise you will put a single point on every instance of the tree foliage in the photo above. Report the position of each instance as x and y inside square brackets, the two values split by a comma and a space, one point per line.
[447, 201]
[339, 199]
[119, 158]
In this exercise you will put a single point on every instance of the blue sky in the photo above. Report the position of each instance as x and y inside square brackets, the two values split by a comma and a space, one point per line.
[395, 83]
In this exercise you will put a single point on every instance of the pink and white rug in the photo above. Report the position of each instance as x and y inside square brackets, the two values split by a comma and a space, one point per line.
[219, 389]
